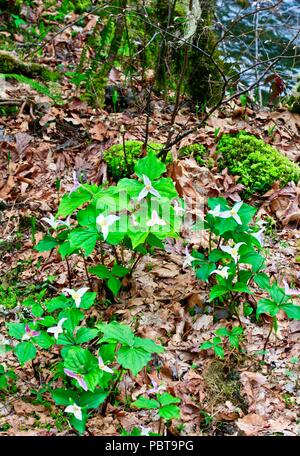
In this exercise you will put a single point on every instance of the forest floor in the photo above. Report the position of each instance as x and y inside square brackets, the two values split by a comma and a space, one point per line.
[45, 143]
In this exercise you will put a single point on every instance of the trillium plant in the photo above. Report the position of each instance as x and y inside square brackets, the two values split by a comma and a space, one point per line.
[111, 228]
[92, 360]
[234, 267]
[115, 226]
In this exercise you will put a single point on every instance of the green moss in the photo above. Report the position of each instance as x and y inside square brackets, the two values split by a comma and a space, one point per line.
[9, 64]
[258, 164]
[115, 159]
[197, 151]
[204, 81]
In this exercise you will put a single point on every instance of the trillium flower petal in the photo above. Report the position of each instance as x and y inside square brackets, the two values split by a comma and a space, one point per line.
[103, 367]
[105, 231]
[216, 211]
[82, 291]
[289, 291]
[143, 193]
[188, 259]
[111, 219]
[100, 219]
[155, 220]
[78, 377]
[223, 272]
[237, 219]
[70, 373]
[259, 236]
[82, 383]
[154, 192]
[145, 431]
[29, 333]
[146, 180]
[238, 206]
[103, 223]
[225, 214]
[178, 209]
[76, 410]
[226, 249]
[147, 189]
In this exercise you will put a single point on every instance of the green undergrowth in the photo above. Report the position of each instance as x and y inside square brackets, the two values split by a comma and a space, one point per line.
[197, 151]
[258, 164]
[13, 290]
[119, 166]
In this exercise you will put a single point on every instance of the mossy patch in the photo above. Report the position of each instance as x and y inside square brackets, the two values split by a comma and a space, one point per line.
[197, 151]
[116, 162]
[11, 64]
[258, 164]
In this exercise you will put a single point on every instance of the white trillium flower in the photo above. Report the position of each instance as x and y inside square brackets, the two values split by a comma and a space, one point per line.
[57, 330]
[155, 220]
[178, 209]
[76, 410]
[223, 272]
[233, 212]
[103, 223]
[145, 431]
[67, 222]
[52, 221]
[233, 251]
[147, 189]
[289, 291]
[103, 367]
[259, 236]
[216, 211]
[76, 295]
[188, 259]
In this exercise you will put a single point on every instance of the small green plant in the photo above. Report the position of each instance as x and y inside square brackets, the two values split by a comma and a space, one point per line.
[120, 162]
[231, 338]
[258, 164]
[197, 151]
[164, 403]
[7, 379]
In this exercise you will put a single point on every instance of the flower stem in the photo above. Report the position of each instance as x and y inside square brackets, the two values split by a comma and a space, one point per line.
[86, 270]
[105, 403]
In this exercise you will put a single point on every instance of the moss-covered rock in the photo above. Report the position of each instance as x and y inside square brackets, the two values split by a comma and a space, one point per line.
[258, 164]
[11, 64]
[115, 157]
[197, 151]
